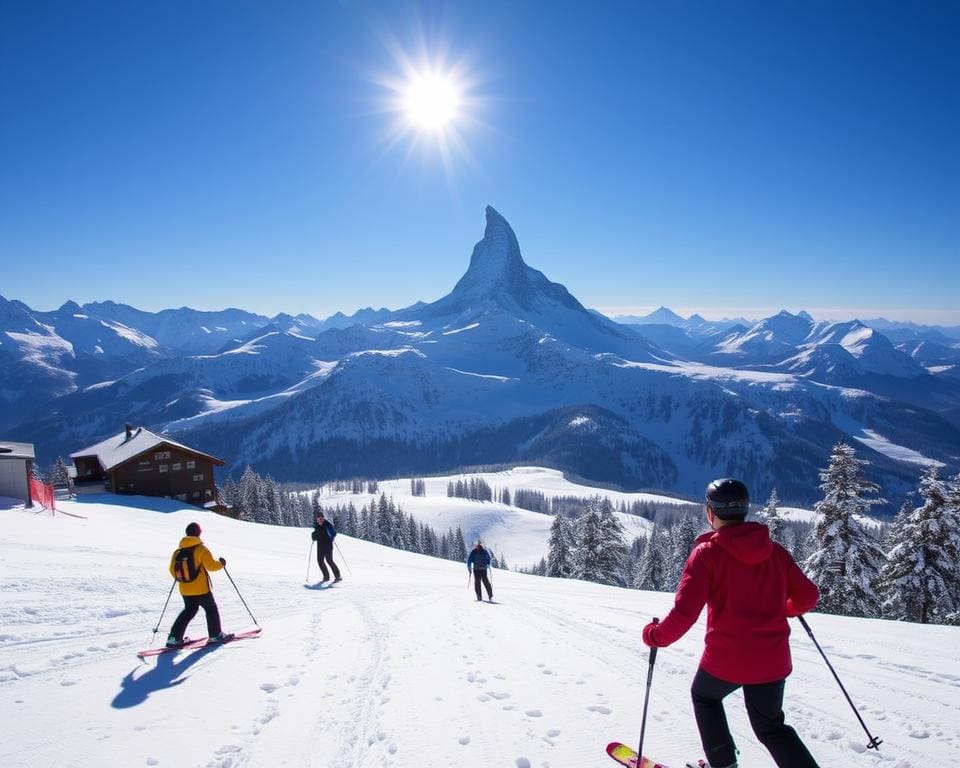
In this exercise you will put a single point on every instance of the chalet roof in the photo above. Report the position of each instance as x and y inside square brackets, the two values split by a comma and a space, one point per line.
[10, 450]
[119, 449]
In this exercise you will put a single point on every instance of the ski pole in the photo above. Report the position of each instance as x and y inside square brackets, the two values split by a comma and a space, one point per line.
[874, 742]
[646, 698]
[239, 595]
[157, 628]
[309, 558]
[342, 557]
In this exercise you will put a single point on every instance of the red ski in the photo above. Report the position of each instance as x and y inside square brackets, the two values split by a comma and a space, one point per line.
[200, 643]
[628, 756]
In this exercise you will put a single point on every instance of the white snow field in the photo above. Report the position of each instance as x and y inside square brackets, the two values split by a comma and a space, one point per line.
[398, 666]
[518, 534]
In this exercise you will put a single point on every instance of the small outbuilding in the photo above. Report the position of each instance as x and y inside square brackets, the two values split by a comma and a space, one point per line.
[16, 462]
[138, 461]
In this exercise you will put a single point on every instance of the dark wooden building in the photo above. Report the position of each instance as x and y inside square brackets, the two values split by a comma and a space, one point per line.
[138, 461]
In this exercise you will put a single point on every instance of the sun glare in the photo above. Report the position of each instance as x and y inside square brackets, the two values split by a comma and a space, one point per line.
[431, 101]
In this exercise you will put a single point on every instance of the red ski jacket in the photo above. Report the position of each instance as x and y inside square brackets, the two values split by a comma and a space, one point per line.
[750, 586]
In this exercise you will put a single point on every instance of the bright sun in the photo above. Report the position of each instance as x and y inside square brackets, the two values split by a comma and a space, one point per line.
[431, 101]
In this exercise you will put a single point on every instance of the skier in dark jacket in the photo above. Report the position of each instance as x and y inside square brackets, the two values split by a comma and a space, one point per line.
[479, 560]
[324, 533]
[750, 585]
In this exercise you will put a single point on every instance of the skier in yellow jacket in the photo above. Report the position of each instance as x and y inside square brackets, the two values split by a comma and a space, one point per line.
[190, 566]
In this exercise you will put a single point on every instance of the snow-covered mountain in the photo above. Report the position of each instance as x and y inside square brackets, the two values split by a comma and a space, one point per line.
[398, 665]
[510, 368]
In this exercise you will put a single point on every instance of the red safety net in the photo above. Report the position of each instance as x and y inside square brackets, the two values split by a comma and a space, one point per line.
[42, 494]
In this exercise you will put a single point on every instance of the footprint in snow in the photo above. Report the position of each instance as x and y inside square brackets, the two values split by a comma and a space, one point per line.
[522, 762]
[464, 740]
[599, 709]
[533, 713]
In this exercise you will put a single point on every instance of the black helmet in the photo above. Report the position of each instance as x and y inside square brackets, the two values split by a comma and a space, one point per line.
[728, 498]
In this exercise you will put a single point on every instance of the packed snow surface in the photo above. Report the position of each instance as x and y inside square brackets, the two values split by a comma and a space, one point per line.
[397, 666]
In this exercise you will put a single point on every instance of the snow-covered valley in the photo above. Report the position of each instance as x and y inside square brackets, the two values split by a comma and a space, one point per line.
[398, 665]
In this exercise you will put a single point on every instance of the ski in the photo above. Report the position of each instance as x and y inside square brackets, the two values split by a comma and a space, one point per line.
[628, 756]
[199, 643]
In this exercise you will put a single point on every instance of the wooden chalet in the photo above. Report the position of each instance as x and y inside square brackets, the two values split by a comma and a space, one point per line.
[138, 461]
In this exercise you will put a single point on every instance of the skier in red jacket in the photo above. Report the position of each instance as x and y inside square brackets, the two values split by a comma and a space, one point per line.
[750, 585]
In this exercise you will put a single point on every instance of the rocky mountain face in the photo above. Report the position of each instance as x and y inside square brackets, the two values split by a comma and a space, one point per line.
[509, 367]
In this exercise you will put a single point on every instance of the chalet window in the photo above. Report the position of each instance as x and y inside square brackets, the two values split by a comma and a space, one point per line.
[197, 478]
[208, 493]
[191, 464]
[161, 455]
[182, 496]
[196, 494]
[175, 467]
[163, 467]
[145, 463]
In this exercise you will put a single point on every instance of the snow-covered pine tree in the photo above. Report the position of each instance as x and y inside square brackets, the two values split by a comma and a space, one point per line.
[413, 535]
[587, 558]
[651, 570]
[60, 474]
[613, 546]
[248, 496]
[920, 576]
[560, 562]
[682, 537]
[384, 521]
[459, 545]
[770, 517]
[847, 558]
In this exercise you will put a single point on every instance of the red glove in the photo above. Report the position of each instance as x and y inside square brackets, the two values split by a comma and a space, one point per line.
[649, 635]
[792, 612]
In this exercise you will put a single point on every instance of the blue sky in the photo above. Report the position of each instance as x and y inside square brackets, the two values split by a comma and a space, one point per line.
[727, 158]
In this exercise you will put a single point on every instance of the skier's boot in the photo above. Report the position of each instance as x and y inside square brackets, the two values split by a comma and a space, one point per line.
[172, 642]
[221, 638]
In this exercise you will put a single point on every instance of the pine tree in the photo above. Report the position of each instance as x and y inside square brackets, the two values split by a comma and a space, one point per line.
[770, 516]
[588, 558]
[920, 575]
[650, 573]
[459, 545]
[60, 475]
[612, 547]
[560, 561]
[682, 538]
[248, 495]
[847, 558]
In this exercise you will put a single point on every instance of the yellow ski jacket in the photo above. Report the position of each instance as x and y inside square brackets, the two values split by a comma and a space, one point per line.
[203, 560]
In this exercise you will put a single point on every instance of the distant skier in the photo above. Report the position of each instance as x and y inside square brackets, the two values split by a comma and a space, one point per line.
[324, 533]
[750, 586]
[190, 566]
[479, 560]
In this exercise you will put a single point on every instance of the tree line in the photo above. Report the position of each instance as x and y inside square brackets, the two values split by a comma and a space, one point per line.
[908, 570]
[263, 500]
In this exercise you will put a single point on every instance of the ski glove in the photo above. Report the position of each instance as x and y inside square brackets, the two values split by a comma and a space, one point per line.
[648, 635]
[223, 561]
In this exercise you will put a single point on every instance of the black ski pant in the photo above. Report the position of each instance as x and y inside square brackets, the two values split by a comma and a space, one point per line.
[480, 574]
[764, 703]
[324, 556]
[191, 604]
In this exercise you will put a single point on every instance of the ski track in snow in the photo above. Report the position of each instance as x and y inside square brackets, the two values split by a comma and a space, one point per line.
[399, 666]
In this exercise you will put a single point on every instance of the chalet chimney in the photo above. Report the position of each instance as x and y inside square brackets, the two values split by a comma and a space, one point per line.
[128, 428]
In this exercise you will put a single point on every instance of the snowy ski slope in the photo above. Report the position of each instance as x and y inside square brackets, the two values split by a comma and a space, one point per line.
[398, 666]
